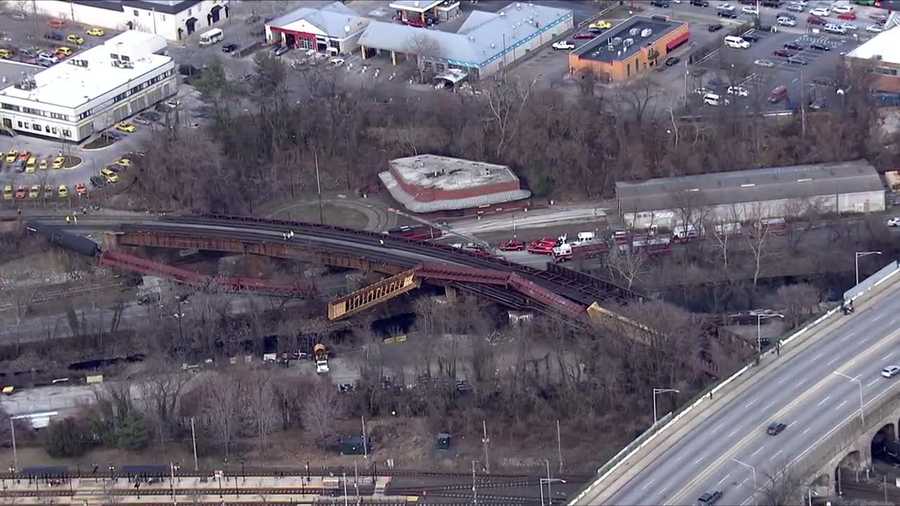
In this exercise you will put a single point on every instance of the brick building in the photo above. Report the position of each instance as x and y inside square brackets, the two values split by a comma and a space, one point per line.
[630, 48]
[881, 54]
[428, 183]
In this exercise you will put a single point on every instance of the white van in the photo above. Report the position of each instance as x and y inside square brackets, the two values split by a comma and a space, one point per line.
[833, 28]
[211, 37]
[736, 42]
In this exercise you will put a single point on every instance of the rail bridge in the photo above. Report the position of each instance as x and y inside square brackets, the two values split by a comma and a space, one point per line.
[570, 296]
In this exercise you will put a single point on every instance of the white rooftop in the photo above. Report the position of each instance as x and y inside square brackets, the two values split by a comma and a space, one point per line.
[335, 19]
[445, 173]
[414, 5]
[69, 85]
[886, 45]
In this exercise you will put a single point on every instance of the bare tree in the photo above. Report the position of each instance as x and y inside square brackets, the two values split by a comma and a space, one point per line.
[507, 101]
[323, 407]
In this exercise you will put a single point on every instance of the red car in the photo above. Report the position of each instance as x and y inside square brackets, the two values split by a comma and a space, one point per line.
[783, 53]
[848, 16]
[542, 246]
[815, 20]
[584, 35]
[25, 155]
[512, 245]
[21, 193]
[80, 189]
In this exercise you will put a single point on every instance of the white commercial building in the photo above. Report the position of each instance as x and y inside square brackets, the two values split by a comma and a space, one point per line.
[172, 19]
[92, 90]
[334, 29]
[750, 195]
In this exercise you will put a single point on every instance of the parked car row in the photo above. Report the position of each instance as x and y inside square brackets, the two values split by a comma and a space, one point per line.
[36, 191]
[27, 162]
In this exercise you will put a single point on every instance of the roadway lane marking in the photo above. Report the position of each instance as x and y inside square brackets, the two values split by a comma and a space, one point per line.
[648, 484]
[718, 427]
[805, 431]
[832, 361]
[839, 406]
[757, 451]
[817, 357]
[773, 457]
[823, 401]
[876, 380]
[768, 406]
[752, 402]
[732, 433]
[887, 356]
[698, 460]
[723, 479]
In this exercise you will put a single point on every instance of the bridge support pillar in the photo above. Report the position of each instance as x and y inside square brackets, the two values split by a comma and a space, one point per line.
[452, 294]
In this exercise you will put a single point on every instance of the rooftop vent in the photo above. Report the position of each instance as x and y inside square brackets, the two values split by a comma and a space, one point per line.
[646, 32]
[627, 42]
[633, 32]
[616, 41]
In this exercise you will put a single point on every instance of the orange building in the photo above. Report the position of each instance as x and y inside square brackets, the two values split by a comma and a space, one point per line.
[630, 48]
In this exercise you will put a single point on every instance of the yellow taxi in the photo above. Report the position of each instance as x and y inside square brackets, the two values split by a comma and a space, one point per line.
[43, 164]
[11, 156]
[95, 32]
[74, 38]
[7, 192]
[111, 177]
[8, 390]
[6, 53]
[63, 191]
[58, 162]
[63, 50]
[35, 192]
[126, 127]
[124, 162]
[600, 25]
[31, 164]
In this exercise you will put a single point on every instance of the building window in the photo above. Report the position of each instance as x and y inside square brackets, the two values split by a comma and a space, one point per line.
[20, 124]
[136, 13]
[66, 132]
[10, 107]
[85, 114]
[56, 115]
[47, 128]
[53, 130]
[36, 126]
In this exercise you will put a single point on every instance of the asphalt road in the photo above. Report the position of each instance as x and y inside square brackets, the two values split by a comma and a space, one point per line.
[804, 392]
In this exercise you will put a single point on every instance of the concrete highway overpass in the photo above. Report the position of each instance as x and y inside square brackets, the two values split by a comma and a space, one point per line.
[816, 386]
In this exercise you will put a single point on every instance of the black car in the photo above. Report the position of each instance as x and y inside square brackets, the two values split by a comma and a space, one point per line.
[794, 46]
[660, 3]
[750, 36]
[818, 46]
[672, 60]
[775, 428]
[229, 48]
[700, 3]
[710, 498]
[98, 181]
[796, 60]
[714, 28]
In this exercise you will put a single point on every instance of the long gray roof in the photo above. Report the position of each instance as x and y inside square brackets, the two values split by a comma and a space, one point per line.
[756, 185]
[481, 39]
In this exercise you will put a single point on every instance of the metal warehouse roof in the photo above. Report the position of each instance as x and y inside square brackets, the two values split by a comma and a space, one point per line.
[482, 38]
[756, 185]
[885, 45]
[335, 19]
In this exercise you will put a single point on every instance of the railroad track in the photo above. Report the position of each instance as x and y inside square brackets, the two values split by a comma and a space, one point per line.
[47, 295]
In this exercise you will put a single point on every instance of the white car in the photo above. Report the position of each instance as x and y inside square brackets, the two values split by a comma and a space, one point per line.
[762, 62]
[749, 9]
[841, 9]
[738, 91]
[874, 29]
[849, 27]
[337, 62]
[894, 222]
[563, 45]
[785, 21]
[890, 371]
[821, 12]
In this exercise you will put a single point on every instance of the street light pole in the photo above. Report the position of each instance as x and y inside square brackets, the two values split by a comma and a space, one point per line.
[862, 417]
[759, 318]
[657, 391]
[858, 255]
[752, 469]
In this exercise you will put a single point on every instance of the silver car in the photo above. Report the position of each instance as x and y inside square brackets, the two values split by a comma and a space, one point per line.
[890, 371]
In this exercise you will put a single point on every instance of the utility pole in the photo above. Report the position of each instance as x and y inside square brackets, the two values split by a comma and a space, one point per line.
[365, 439]
[802, 107]
[194, 442]
[12, 427]
[319, 189]
[485, 441]
[344, 479]
[356, 481]
[474, 491]
[559, 446]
